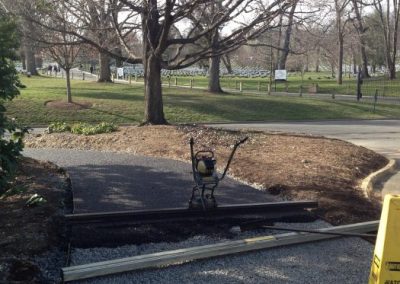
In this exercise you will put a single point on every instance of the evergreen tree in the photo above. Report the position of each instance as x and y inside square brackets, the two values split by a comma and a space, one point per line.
[10, 146]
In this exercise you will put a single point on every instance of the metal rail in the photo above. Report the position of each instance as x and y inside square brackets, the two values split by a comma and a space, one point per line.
[274, 209]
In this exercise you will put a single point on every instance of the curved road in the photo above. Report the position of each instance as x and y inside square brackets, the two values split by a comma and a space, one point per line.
[381, 136]
[106, 181]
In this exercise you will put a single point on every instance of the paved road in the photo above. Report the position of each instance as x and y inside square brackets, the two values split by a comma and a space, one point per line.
[382, 136]
[105, 181]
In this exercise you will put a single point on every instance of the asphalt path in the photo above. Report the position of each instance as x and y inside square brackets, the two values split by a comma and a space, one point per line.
[106, 181]
[381, 136]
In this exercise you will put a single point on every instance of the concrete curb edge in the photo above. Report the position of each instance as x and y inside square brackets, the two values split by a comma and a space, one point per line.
[368, 183]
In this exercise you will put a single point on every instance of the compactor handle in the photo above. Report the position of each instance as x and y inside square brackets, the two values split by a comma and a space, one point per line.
[242, 141]
[232, 154]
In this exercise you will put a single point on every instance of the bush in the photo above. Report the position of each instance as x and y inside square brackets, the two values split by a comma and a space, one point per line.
[82, 128]
[10, 147]
[57, 127]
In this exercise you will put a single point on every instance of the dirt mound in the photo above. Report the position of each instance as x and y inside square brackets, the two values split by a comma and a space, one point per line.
[68, 106]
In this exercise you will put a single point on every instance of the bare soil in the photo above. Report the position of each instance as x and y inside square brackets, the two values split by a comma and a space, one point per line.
[293, 167]
[30, 231]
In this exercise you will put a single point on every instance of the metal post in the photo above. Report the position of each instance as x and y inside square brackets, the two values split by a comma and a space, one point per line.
[375, 98]
[240, 86]
[359, 82]
[83, 76]
[176, 81]
[191, 83]
[130, 79]
[169, 82]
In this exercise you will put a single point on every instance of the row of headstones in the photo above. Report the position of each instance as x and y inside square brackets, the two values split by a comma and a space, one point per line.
[195, 71]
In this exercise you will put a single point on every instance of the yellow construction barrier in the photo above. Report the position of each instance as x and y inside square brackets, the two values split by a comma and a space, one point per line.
[385, 267]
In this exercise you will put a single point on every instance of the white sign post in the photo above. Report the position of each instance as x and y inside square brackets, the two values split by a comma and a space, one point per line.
[120, 73]
[280, 75]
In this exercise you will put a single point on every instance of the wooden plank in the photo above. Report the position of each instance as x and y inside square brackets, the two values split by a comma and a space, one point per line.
[207, 251]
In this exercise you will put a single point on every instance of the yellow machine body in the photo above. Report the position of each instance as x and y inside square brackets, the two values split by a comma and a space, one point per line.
[385, 268]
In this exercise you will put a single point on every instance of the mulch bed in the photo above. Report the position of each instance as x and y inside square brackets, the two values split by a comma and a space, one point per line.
[293, 167]
[27, 232]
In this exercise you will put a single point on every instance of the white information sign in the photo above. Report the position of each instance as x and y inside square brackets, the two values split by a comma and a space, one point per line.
[120, 72]
[280, 74]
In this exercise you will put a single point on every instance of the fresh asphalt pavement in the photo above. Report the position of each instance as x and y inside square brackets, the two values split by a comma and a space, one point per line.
[106, 181]
[381, 136]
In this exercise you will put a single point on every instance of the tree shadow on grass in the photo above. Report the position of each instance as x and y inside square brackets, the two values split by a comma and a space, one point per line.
[102, 95]
[113, 114]
[242, 108]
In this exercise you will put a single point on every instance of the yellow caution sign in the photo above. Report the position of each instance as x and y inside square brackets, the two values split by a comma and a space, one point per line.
[385, 267]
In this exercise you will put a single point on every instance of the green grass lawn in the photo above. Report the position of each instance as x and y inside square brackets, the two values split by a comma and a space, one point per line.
[121, 103]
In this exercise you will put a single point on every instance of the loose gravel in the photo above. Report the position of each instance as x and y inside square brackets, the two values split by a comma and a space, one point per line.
[344, 260]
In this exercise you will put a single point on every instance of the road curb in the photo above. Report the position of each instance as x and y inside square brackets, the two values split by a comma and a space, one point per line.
[368, 184]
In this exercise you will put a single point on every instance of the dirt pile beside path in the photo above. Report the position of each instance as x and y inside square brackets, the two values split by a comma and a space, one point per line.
[294, 167]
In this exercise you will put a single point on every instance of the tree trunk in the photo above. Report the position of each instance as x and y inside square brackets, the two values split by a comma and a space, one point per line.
[279, 42]
[214, 85]
[104, 65]
[339, 78]
[306, 67]
[23, 59]
[392, 71]
[67, 75]
[227, 62]
[29, 48]
[153, 112]
[317, 59]
[30, 58]
[288, 34]
[118, 62]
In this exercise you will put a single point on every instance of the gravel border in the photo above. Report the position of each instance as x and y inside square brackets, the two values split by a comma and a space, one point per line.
[345, 260]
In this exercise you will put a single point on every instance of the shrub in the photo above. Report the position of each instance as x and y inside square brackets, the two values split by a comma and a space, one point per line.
[87, 129]
[58, 127]
[82, 128]
[11, 146]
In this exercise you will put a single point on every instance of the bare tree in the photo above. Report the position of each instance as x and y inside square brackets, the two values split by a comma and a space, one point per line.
[288, 33]
[167, 41]
[389, 20]
[59, 42]
[359, 26]
[64, 54]
[341, 21]
[157, 21]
